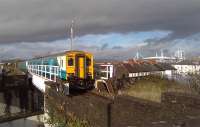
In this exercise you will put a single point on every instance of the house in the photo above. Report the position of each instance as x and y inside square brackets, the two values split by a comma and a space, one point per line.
[135, 69]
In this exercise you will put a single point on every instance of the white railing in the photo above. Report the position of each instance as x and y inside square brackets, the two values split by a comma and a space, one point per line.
[107, 70]
[48, 72]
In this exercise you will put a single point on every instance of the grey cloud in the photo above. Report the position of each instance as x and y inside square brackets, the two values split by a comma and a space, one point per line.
[31, 49]
[24, 50]
[45, 20]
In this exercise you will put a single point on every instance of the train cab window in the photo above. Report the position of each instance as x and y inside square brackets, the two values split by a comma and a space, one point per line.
[88, 61]
[70, 62]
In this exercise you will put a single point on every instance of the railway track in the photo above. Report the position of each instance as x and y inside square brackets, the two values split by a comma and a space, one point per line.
[95, 94]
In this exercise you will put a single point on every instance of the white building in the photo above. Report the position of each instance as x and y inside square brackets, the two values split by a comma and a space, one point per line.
[135, 69]
[178, 56]
[187, 67]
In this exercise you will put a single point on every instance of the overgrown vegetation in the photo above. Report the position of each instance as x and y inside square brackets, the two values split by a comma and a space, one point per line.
[57, 115]
[194, 82]
[55, 120]
[152, 87]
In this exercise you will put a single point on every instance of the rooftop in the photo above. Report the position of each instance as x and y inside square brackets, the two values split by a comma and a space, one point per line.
[188, 62]
[135, 66]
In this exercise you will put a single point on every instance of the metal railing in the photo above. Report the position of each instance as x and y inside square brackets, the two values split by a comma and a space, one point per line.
[48, 72]
[107, 70]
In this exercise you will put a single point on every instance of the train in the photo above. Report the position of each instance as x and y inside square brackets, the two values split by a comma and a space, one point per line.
[75, 67]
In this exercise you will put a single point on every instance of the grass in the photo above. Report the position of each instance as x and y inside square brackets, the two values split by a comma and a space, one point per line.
[151, 88]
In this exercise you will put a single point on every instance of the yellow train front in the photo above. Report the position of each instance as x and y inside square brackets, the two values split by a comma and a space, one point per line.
[76, 67]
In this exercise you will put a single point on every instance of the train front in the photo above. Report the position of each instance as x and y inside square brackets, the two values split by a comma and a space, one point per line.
[80, 69]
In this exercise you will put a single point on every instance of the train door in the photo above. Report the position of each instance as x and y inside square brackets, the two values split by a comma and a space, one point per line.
[81, 67]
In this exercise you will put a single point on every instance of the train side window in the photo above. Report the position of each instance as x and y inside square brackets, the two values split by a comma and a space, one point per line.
[88, 61]
[70, 62]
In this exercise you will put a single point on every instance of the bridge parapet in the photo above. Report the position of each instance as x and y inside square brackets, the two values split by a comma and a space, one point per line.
[48, 72]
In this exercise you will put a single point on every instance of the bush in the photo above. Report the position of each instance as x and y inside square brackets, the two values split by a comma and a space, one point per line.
[59, 117]
[194, 82]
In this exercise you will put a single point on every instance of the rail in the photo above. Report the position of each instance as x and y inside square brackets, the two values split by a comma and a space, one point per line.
[48, 72]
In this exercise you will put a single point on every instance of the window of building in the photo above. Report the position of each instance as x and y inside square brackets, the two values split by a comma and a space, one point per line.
[70, 62]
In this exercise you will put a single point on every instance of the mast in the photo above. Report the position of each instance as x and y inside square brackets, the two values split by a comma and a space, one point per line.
[162, 54]
[72, 35]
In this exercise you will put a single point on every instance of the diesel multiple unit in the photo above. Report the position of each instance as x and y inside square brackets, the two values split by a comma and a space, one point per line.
[75, 67]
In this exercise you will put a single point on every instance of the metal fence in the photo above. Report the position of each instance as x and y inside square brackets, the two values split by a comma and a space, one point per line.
[107, 71]
[48, 72]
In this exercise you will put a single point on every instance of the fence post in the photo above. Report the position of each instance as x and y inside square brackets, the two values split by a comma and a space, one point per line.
[37, 70]
[66, 88]
[107, 71]
[45, 69]
[50, 72]
[54, 74]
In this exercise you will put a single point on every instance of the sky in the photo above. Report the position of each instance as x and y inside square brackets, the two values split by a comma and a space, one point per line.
[108, 28]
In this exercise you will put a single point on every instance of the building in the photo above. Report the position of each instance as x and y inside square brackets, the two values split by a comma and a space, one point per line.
[178, 56]
[135, 68]
[187, 67]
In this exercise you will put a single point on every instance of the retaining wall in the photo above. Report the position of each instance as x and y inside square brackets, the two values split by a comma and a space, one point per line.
[125, 111]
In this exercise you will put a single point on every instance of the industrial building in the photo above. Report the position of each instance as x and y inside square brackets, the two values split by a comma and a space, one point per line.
[187, 67]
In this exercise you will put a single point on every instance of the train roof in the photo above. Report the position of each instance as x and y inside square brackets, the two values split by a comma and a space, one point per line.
[61, 53]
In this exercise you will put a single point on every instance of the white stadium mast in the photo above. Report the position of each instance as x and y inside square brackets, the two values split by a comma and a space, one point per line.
[138, 56]
[180, 54]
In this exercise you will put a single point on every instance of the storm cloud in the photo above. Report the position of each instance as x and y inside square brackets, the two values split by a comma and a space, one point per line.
[45, 20]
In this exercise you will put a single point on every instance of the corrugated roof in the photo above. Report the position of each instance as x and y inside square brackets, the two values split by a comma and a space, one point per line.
[120, 70]
[140, 66]
[188, 62]
[59, 54]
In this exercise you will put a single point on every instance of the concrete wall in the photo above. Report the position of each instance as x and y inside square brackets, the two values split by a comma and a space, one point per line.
[90, 108]
[130, 111]
[126, 111]
[181, 101]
